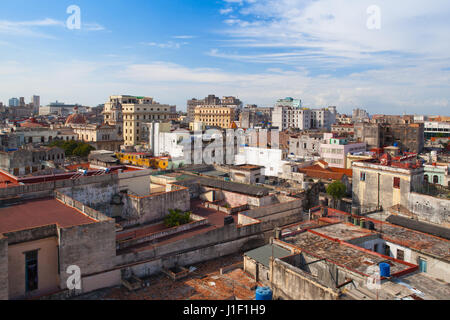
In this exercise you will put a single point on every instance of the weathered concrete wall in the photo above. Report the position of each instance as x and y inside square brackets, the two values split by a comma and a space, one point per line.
[365, 192]
[194, 256]
[155, 207]
[165, 233]
[293, 205]
[137, 182]
[224, 234]
[292, 283]
[91, 247]
[257, 270]
[97, 196]
[3, 268]
[430, 209]
[37, 190]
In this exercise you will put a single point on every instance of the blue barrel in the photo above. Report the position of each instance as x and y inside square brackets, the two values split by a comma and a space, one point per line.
[263, 293]
[385, 270]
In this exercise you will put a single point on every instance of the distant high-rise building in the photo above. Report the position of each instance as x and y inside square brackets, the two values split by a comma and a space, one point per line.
[22, 102]
[289, 102]
[289, 113]
[360, 115]
[36, 101]
[13, 102]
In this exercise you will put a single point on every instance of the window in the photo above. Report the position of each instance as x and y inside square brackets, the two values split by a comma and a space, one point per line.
[435, 179]
[397, 183]
[387, 250]
[375, 247]
[31, 270]
[422, 265]
[400, 255]
[362, 176]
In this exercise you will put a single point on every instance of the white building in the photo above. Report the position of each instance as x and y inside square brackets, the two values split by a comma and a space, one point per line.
[285, 117]
[270, 159]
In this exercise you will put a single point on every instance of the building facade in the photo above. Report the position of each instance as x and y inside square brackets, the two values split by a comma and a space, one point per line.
[285, 117]
[217, 116]
[384, 184]
[129, 114]
[408, 137]
[101, 137]
[335, 150]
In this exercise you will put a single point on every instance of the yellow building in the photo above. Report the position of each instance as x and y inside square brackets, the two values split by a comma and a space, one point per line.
[131, 113]
[215, 116]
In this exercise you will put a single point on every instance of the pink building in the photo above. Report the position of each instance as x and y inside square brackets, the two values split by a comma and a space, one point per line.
[335, 150]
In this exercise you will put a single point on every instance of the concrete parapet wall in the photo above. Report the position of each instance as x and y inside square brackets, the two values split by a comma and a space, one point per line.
[161, 234]
[430, 209]
[36, 190]
[90, 247]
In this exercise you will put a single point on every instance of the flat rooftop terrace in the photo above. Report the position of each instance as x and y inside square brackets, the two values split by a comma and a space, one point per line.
[343, 254]
[215, 220]
[416, 240]
[37, 213]
[343, 231]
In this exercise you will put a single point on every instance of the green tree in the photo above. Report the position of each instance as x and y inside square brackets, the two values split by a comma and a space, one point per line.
[337, 191]
[177, 217]
[73, 148]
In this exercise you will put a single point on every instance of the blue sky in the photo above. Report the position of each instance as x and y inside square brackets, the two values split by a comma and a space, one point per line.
[259, 50]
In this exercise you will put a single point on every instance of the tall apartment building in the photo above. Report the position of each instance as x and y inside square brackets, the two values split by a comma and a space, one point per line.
[36, 102]
[211, 100]
[13, 102]
[218, 116]
[130, 113]
[285, 117]
[21, 102]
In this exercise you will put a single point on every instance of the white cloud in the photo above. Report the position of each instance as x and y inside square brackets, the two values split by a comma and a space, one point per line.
[339, 27]
[29, 28]
[165, 45]
[415, 89]
[184, 37]
[226, 10]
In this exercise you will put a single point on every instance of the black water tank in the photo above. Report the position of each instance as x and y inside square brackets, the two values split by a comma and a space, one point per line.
[228, 220]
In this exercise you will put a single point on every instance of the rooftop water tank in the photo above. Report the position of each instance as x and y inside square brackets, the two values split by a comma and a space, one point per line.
[385, 270]
[263, 293]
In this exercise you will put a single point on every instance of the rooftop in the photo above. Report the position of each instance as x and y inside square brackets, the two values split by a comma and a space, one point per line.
[242, 188]
[30, 214]
[263, 254]
[343, 231]
[419, 241]
[246, 167]
[420, 226]
[343, 254]
[319, 172]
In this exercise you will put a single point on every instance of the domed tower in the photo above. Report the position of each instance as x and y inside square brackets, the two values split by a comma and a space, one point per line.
[75, 118]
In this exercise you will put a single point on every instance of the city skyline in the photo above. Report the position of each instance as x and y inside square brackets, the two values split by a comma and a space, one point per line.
[259, 51]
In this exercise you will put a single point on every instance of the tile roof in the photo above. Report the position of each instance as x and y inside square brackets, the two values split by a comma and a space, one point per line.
[37, 213]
